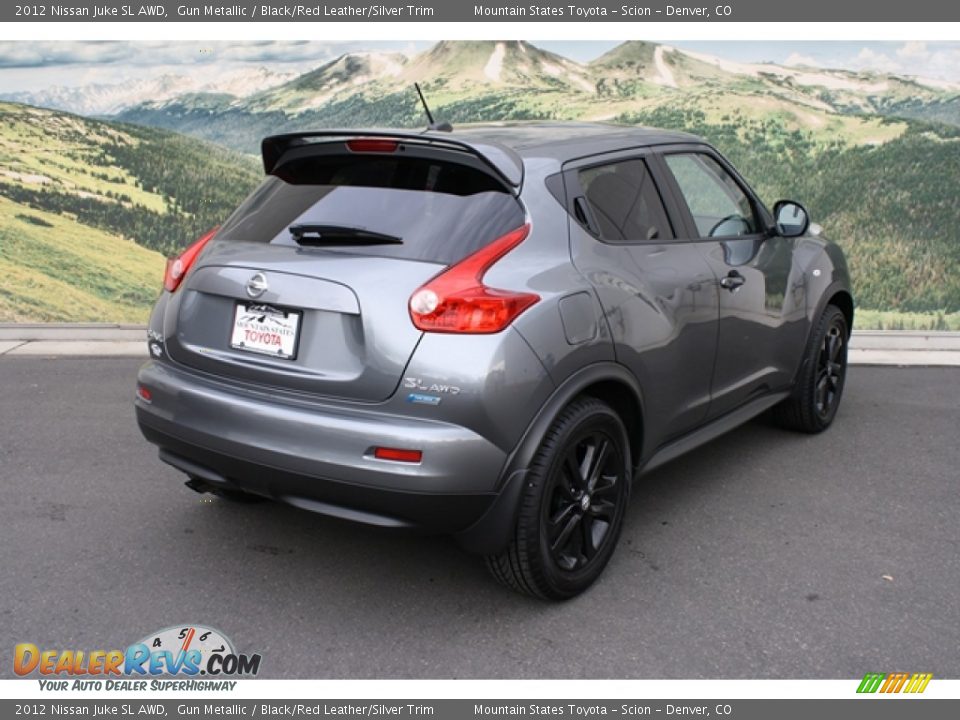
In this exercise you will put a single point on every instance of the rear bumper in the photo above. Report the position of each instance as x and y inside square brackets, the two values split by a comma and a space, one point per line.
[320, 457]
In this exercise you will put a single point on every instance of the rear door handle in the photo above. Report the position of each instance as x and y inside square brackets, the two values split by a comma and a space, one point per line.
[732, 281]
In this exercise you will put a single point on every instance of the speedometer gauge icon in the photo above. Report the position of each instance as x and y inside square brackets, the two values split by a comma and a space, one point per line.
[178, 640]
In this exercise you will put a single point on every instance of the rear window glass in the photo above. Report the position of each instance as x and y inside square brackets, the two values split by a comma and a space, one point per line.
[440, 211]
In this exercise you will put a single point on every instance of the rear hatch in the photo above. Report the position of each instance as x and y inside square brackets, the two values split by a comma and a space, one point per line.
[306, 286]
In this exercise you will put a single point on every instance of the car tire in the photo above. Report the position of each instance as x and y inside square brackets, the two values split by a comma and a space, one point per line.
[813, 403]
[573, 503]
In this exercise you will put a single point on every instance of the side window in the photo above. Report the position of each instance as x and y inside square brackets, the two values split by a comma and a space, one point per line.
[624, 202]
[719, 206]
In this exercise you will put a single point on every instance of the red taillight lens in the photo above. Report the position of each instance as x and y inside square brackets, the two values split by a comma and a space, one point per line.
[374, 145]
[457, 301]
[179, 266]
[399, 454]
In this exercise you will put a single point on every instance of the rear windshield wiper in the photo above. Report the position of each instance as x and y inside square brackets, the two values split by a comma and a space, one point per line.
[338, 235]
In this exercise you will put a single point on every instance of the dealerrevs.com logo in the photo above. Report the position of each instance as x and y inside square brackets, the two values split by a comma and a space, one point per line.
[184, 651]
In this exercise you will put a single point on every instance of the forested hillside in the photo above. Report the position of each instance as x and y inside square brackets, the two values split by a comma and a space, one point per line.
[893, 206]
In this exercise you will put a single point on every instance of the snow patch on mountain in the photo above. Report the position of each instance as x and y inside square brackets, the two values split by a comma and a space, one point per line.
[664, 76]
[494, 65]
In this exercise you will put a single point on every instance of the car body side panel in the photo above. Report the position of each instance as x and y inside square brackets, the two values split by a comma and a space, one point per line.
[827, 275]
[660, 303]
[492, 385]
[762, 323]
[565, 328]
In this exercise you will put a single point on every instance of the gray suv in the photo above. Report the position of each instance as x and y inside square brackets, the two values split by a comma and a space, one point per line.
[489, 333]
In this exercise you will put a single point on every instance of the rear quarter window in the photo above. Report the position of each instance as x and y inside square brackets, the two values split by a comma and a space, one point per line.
[625, 202]
[441, 211]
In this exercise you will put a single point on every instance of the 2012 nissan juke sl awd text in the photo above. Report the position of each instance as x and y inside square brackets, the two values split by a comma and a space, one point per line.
[489, 333]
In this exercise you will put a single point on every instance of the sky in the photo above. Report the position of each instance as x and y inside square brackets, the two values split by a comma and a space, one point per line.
[35, 66]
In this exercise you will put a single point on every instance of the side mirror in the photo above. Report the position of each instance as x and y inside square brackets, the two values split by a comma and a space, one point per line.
[791, 218]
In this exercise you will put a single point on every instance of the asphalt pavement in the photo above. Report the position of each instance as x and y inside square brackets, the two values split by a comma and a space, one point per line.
[763, 554]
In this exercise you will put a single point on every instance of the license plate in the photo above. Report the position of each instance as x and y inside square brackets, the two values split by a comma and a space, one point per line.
[266, 329]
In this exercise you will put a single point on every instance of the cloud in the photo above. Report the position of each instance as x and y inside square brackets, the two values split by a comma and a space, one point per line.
[913, 49]
[938, 61]
[42, 54]
[149, 54]
[868, 59]
[795, 59]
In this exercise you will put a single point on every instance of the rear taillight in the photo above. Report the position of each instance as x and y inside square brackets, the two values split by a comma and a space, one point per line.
[457, 301]
[179, 266]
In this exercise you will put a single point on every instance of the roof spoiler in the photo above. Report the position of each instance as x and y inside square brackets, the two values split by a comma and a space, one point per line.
[502, 160]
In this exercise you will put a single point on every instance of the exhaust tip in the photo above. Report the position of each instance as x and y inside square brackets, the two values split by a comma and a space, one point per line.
[198, 485]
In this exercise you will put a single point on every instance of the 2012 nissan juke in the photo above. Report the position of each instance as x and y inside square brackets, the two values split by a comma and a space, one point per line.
[489, 333]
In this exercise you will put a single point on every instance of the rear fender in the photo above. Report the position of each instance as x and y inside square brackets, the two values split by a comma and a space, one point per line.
[492, 533]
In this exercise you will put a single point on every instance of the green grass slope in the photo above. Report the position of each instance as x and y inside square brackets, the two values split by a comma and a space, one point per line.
[56, 269]
[89, 209]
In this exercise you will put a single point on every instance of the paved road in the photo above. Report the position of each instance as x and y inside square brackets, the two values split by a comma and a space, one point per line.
[763, 554]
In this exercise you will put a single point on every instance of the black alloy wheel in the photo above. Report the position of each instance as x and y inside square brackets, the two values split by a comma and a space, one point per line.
[573, 504]
[831, 368]
[815, 399]
[584, 500]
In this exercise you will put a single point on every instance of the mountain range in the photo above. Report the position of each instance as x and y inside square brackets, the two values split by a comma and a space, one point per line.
[479, 80]
[113, 98]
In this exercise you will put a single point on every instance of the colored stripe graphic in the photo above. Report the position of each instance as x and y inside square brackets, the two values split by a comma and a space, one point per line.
[894, 682]
[870, 683]
[918, 683]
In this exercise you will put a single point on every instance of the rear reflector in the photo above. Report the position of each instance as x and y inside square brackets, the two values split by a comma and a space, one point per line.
[372, 145]
[457, 301]
[399, 454]
[144, 394]
[179, 266]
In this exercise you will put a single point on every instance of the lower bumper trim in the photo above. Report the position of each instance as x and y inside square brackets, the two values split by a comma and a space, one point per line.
[431, 512]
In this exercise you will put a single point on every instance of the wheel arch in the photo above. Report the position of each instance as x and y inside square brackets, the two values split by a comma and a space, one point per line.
[843, 300]
[619, 396]
[836, 293]
[607, 381]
